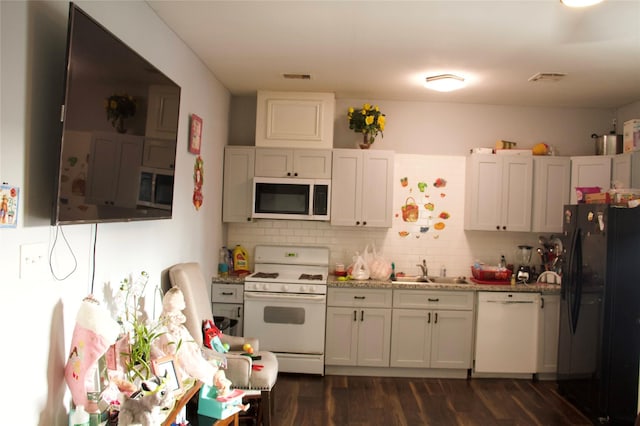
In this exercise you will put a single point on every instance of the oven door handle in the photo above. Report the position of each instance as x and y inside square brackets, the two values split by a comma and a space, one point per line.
[279, 296]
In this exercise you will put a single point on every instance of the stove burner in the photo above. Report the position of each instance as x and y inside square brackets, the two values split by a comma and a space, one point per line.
[316, 277]
[265, 275]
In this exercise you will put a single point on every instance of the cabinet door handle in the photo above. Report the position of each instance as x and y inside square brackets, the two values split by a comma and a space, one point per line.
[227, 293]
[361, 316]
[436, 320]
[295, 174]
[542, 303]
[357, 222]
[359, 297]
[433, 300]
[354, 316]
[239, 313]
[288, 173]
[364, 223]
[429, 318]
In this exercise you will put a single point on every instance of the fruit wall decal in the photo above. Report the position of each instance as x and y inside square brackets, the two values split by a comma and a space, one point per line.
[419, 208]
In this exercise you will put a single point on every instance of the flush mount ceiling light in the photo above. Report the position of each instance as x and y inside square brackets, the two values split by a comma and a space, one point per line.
[579, 3]
[547, 76]
[444, 82]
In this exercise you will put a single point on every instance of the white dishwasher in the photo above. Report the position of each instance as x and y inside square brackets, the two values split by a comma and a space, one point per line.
[507, 332]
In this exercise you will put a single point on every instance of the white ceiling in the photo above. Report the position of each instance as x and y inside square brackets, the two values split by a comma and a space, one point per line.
[384, 49]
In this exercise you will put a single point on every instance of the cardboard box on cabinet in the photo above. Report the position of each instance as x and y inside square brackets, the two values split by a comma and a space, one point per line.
[631, 135]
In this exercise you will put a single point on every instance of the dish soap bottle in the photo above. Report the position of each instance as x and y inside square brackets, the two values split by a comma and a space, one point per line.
[240, 260]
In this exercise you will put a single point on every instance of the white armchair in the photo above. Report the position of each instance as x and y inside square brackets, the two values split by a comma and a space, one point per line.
[188, 277]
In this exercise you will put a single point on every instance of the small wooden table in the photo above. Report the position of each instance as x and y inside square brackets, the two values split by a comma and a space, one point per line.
[181, 403]
[228, 421]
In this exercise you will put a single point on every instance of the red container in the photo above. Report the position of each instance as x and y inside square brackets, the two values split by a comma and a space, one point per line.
[491, 273]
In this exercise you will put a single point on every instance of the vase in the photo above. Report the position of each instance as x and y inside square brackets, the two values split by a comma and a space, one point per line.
[367, 140]
[120, 125]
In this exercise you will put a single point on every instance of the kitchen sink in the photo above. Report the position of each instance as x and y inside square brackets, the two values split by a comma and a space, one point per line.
[412, 280]
[430, 280]
[449, 280]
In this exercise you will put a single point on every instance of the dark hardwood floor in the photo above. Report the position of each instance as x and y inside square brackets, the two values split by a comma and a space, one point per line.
[304, 400]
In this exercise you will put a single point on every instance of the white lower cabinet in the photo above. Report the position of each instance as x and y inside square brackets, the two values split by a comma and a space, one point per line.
[548, 327]
[234, 311]
[114, 154]
[227, 300]
[358, 330]
[432, 329]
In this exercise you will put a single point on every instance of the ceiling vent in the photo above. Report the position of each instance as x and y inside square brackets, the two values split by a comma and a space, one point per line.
[548, 76]
[290, 76]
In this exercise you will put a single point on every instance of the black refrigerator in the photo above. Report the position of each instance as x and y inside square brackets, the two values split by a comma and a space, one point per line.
[599, 343]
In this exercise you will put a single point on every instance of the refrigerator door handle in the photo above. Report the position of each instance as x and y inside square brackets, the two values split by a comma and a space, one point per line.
[568, 277]
[576, 290]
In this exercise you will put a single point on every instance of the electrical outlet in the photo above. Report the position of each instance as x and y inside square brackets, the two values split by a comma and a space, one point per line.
[33, 261]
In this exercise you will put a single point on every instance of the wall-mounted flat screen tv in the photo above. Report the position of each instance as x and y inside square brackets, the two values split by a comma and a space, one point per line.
[119, 130]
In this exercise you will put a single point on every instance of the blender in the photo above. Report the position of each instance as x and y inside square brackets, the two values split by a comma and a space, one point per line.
[524, 273]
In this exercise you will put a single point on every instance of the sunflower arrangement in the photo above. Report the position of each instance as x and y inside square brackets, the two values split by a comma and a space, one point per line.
[119, 106]
[368, 120]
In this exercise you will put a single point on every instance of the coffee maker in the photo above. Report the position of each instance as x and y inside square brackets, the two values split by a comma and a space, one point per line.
[525, 271]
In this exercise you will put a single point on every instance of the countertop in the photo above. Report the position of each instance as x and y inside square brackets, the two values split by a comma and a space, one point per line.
[531, 288]
[387, 284]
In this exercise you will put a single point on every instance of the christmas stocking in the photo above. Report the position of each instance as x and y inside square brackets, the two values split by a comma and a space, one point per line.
[94, 332]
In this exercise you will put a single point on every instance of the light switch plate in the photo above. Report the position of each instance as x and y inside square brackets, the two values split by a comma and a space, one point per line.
[33, 261]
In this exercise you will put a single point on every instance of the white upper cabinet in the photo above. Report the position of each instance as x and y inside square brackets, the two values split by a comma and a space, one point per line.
[498, 192]
[589, 171]
[299, 163]
[162, 114]
[237, 183]
[621, 170]
[295, 119]
[551, 184]
[626, 169]
[361, 188]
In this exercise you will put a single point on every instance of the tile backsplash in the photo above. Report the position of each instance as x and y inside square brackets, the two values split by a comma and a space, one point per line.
[431, 225]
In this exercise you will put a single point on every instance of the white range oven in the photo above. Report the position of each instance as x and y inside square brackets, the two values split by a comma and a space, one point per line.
[285, 305]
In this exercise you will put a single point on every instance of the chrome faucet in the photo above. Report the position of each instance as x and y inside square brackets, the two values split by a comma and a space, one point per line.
[425, 271]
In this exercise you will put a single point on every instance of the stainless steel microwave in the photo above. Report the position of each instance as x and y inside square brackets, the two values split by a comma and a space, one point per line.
[291, 198]
[156, 188]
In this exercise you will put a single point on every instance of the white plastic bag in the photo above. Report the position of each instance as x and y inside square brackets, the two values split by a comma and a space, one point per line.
[379, 267]
[360, 269]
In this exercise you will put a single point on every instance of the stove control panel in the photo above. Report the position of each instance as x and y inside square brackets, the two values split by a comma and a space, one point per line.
[285, 287]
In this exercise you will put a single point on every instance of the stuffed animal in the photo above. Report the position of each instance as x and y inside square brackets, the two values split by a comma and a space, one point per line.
[211, 337]
[144, 407]
[222, 384]
[179, 342]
